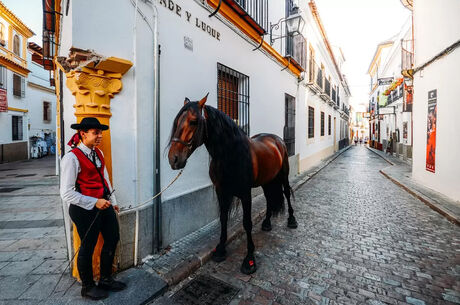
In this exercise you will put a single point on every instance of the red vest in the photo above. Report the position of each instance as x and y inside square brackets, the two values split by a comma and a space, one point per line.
[89, 181]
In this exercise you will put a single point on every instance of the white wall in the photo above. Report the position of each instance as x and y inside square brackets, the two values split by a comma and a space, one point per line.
[436, 26]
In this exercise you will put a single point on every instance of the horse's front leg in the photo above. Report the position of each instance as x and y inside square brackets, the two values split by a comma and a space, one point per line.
[249, 262]
[225, 200]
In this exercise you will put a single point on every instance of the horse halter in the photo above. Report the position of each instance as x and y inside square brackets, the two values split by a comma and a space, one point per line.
[189, 144]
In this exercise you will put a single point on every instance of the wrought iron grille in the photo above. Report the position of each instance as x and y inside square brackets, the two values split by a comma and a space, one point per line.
[289, 124]
[322, 123]
[311, 122]
[329, 125]
[233, 95]
[334, 95]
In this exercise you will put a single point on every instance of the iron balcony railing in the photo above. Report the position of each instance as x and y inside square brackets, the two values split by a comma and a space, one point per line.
[407, 55]
[319, 78]
[256, 9]
[327, 87]
[334, 95]
[338, 100]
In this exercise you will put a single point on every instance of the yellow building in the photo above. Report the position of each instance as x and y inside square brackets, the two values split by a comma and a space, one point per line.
[13, 73]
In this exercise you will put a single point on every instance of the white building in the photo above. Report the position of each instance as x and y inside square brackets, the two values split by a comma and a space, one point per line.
[436, 89]
[13, 73]
[292, 87]
[390, 114]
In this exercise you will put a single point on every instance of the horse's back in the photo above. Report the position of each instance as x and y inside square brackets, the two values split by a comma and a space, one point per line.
[268, 153]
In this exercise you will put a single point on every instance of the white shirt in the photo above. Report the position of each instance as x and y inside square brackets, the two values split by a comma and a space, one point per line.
[70, 168]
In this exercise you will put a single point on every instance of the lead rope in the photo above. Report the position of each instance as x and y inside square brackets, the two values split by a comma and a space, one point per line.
[97, 214]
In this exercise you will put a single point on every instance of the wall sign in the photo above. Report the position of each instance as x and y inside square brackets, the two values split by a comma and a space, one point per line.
[195, 21]
[431, 131]
[385, 81]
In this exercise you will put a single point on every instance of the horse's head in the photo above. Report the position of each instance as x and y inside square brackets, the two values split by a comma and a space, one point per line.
[188, 132]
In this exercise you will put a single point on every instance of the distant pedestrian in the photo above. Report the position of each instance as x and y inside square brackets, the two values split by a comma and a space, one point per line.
[390, 146]
[85, 186]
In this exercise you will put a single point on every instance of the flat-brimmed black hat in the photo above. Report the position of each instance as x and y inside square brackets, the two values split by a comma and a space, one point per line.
[89, 123]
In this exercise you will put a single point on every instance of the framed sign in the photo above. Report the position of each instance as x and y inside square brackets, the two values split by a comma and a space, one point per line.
[3, 101]
[431, 131]
[385, 81]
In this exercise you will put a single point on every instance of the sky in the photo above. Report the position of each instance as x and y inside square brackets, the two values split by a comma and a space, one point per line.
[357, 26]
[31, 14]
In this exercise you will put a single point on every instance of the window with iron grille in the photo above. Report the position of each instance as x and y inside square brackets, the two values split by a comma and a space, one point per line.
[311, 122]
[329, 125]
[46, 111]
[289, 124]
[322, 123]
[2, 77]
[18, 85]
[233, 95]
[17, 127]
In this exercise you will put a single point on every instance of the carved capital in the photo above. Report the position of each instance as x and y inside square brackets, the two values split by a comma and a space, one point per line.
[93, 90]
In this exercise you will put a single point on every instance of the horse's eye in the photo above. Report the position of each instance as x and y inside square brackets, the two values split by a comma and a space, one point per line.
[194, 122]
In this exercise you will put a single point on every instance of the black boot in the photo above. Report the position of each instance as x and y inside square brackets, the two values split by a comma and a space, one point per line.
[93, 292]
[108, 283]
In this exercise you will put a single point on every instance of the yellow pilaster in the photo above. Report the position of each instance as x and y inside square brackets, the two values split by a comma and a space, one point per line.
[93, 89]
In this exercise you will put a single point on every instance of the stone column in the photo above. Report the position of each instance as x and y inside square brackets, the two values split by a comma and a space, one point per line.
[93, 89]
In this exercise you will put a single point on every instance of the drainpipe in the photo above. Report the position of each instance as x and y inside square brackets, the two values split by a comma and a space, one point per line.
[156, 125]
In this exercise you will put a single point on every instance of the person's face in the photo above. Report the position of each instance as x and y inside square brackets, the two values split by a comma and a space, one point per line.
[92, 137]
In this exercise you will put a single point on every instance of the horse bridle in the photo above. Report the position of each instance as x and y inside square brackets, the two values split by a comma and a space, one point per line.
[189, 144]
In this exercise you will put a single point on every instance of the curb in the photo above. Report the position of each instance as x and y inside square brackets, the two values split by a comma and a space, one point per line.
[194, 262]
[449, 216]
[425, 200]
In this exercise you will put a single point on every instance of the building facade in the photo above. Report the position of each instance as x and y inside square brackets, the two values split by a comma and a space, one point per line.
[14, 116]
[389, 98]
[147, 56]
[436, 33]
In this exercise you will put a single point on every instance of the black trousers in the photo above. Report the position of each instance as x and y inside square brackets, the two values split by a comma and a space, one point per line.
[106, 223]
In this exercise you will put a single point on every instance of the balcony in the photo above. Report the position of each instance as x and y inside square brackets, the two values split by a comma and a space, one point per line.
[319, 79]
[314, 77]
[334, 96]
[326, 94]
[255, 12]
[407, 58]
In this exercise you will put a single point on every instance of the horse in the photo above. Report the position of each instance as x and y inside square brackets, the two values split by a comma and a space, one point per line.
[238, 163]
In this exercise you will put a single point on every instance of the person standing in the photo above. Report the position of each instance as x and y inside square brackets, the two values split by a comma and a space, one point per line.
[85, 187]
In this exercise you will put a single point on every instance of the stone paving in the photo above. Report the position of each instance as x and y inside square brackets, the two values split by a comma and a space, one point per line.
[361, 240]
[32, 238]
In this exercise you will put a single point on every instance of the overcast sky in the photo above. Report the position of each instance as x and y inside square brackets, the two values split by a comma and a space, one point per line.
[357, 26]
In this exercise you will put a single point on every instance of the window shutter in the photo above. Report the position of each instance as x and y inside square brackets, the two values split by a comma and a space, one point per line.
[23, 87]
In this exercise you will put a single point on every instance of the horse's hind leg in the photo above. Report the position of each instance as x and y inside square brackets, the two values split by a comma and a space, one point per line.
[292, 222]
[266, 224]
[225, 200]
[249, 262]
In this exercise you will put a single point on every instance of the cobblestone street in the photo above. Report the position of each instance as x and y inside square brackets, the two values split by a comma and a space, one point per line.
[361, 240]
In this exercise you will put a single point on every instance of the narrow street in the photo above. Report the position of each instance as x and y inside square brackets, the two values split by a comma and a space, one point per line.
[361, 240]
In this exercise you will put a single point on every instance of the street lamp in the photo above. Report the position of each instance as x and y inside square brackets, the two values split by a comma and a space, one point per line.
[294, 25]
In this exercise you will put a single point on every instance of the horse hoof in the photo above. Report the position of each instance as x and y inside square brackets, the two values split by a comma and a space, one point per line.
[248, 267]
[266, 226]
[292, 223]
[218, 257]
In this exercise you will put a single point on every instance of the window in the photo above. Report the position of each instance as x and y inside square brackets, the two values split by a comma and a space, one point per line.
[311, 122]
[18, 86]
[329, 125]
[322, 123]
[233, 95]
[2, 35]
[17, 127]
[16, 42]
[46, 111]
[289, 124]
[2, 77]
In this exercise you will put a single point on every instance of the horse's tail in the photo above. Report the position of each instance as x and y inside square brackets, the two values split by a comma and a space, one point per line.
[273, 192]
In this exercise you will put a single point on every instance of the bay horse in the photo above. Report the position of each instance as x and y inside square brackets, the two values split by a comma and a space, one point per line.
[238, 163]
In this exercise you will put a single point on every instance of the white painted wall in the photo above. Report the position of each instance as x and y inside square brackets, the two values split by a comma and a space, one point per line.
[436, 26]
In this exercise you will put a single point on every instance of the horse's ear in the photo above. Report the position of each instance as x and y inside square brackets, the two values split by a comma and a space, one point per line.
[203, 101]
[186, 100]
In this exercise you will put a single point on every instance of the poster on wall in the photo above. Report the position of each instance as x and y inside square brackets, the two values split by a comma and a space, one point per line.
[431, 131]
[3, 101]
[404, 130]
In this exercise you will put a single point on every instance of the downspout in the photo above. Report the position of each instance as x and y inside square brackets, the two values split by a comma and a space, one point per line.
[156, 126]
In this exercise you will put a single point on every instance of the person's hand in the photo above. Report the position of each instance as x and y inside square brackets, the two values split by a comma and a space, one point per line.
[102, 204]
[117, 209]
